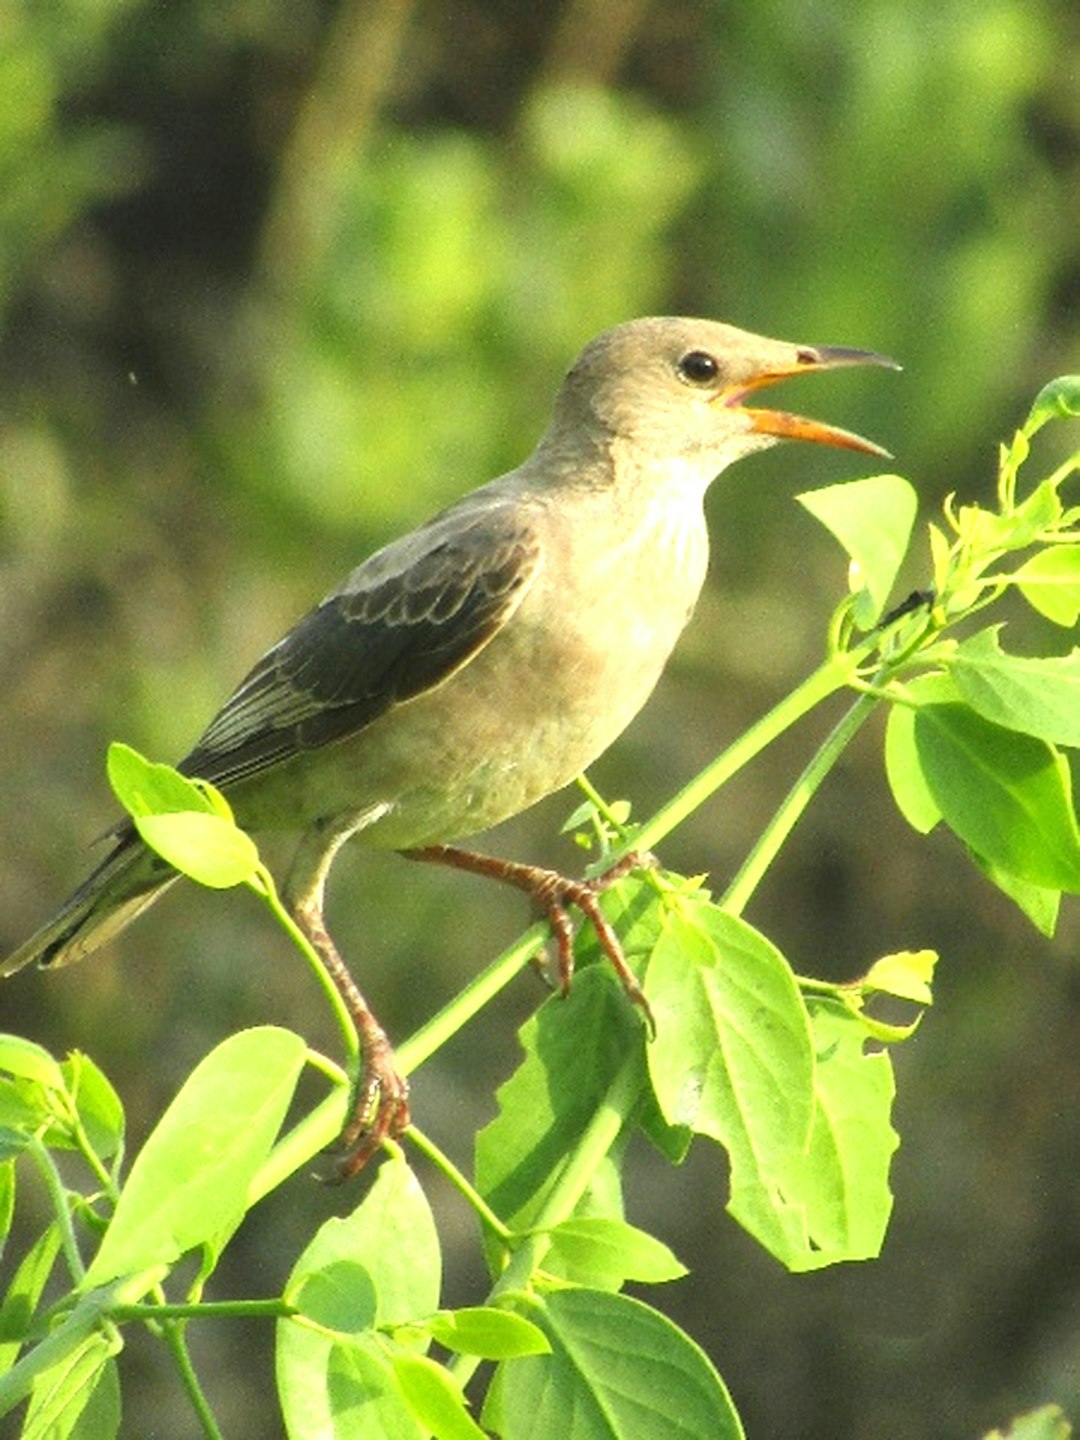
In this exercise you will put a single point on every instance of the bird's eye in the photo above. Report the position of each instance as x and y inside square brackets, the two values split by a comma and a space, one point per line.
[698, 367]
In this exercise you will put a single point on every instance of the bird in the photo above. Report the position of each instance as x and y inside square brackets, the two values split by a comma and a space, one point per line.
[483, 660]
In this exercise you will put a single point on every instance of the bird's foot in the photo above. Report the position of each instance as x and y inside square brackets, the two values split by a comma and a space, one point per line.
[380, 1101]
[554, 892]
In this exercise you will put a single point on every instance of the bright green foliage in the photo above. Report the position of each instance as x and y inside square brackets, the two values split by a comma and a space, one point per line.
[618, 1371]
[1047, 1423]
[792, 1076]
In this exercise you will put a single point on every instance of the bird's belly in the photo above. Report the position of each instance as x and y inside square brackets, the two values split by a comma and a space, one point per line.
[550, 692]
[490, 741]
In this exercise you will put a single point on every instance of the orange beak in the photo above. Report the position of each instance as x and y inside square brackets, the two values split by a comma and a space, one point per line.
[796, 427]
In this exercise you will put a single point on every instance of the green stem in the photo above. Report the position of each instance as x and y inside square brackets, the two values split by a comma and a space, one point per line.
[59, 1197]
[775, 835]
[423, 1043]
[833, 675]
[268, 891]
[177, 1343]
[307, 1138]
[204, 1310]
[446, 1167]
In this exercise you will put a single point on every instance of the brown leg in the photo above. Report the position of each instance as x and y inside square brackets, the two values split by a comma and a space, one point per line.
[554, 892]
[380, 1108]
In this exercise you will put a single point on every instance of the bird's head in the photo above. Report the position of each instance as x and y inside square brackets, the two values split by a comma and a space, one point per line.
[679, 387]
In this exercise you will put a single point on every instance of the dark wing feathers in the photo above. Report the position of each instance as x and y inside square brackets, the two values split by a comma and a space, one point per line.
[401, 624]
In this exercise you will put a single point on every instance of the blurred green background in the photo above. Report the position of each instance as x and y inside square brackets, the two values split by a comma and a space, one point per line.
[276, 280]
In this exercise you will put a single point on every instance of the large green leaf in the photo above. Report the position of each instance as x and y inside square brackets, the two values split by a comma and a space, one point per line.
[1039, 695]
[574, 1048]
[1007, 795]
[842, 1181]
[378, 1266]
[618, 1371]
[189, 1184]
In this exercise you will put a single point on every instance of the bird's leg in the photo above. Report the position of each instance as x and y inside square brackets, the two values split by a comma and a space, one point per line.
[380, 1105]
[553, 892]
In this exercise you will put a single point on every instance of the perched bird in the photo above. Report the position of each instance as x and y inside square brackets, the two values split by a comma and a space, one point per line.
[482, 661]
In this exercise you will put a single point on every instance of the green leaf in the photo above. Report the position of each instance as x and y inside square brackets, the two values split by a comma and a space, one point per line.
[1039, 696]
[842, 1181]
[29, 1061]
[354, 1394]
[913, 796]
[7, 1200]
[378, 1267]
[487, 1331]
[78, 1398]
[906, 974]
[188, 1186]
[1038, 902]
[206, 848]
[1057, 400]
[1050, 583]
[872, 520]
[1006, 795]
[433, 1397]
[731, 1058]
[574, 1048]
[24, 1293]
[612, 1251]
[618, 1371]
[1038, 513]
[144, 787]
[99, 1108]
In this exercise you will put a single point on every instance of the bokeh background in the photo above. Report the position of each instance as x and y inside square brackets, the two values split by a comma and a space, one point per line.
[276, 280]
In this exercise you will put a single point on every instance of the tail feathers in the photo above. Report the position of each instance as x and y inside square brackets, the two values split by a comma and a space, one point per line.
[128, 880]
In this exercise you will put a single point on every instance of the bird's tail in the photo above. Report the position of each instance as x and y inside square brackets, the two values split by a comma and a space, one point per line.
[129, 879]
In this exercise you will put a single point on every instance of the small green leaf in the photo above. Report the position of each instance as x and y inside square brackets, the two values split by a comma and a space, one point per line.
[1038, 695]
[206, 848]
[29, 1061]
[7, 1200]
[487, 1331]
[189, 1183]
[1038, 513]
[1050, 583]
[350, 1393]
[433, 1397]
[1057, 400]
[872, 520]
[611, 1252]
[906, 974]
[145, 787]
[97, 1104]
[24, 1294]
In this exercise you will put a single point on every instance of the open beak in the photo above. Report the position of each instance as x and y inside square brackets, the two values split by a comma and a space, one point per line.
[797, 427]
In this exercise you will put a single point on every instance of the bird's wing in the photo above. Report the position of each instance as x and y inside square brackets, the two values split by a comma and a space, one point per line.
[402, 623]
